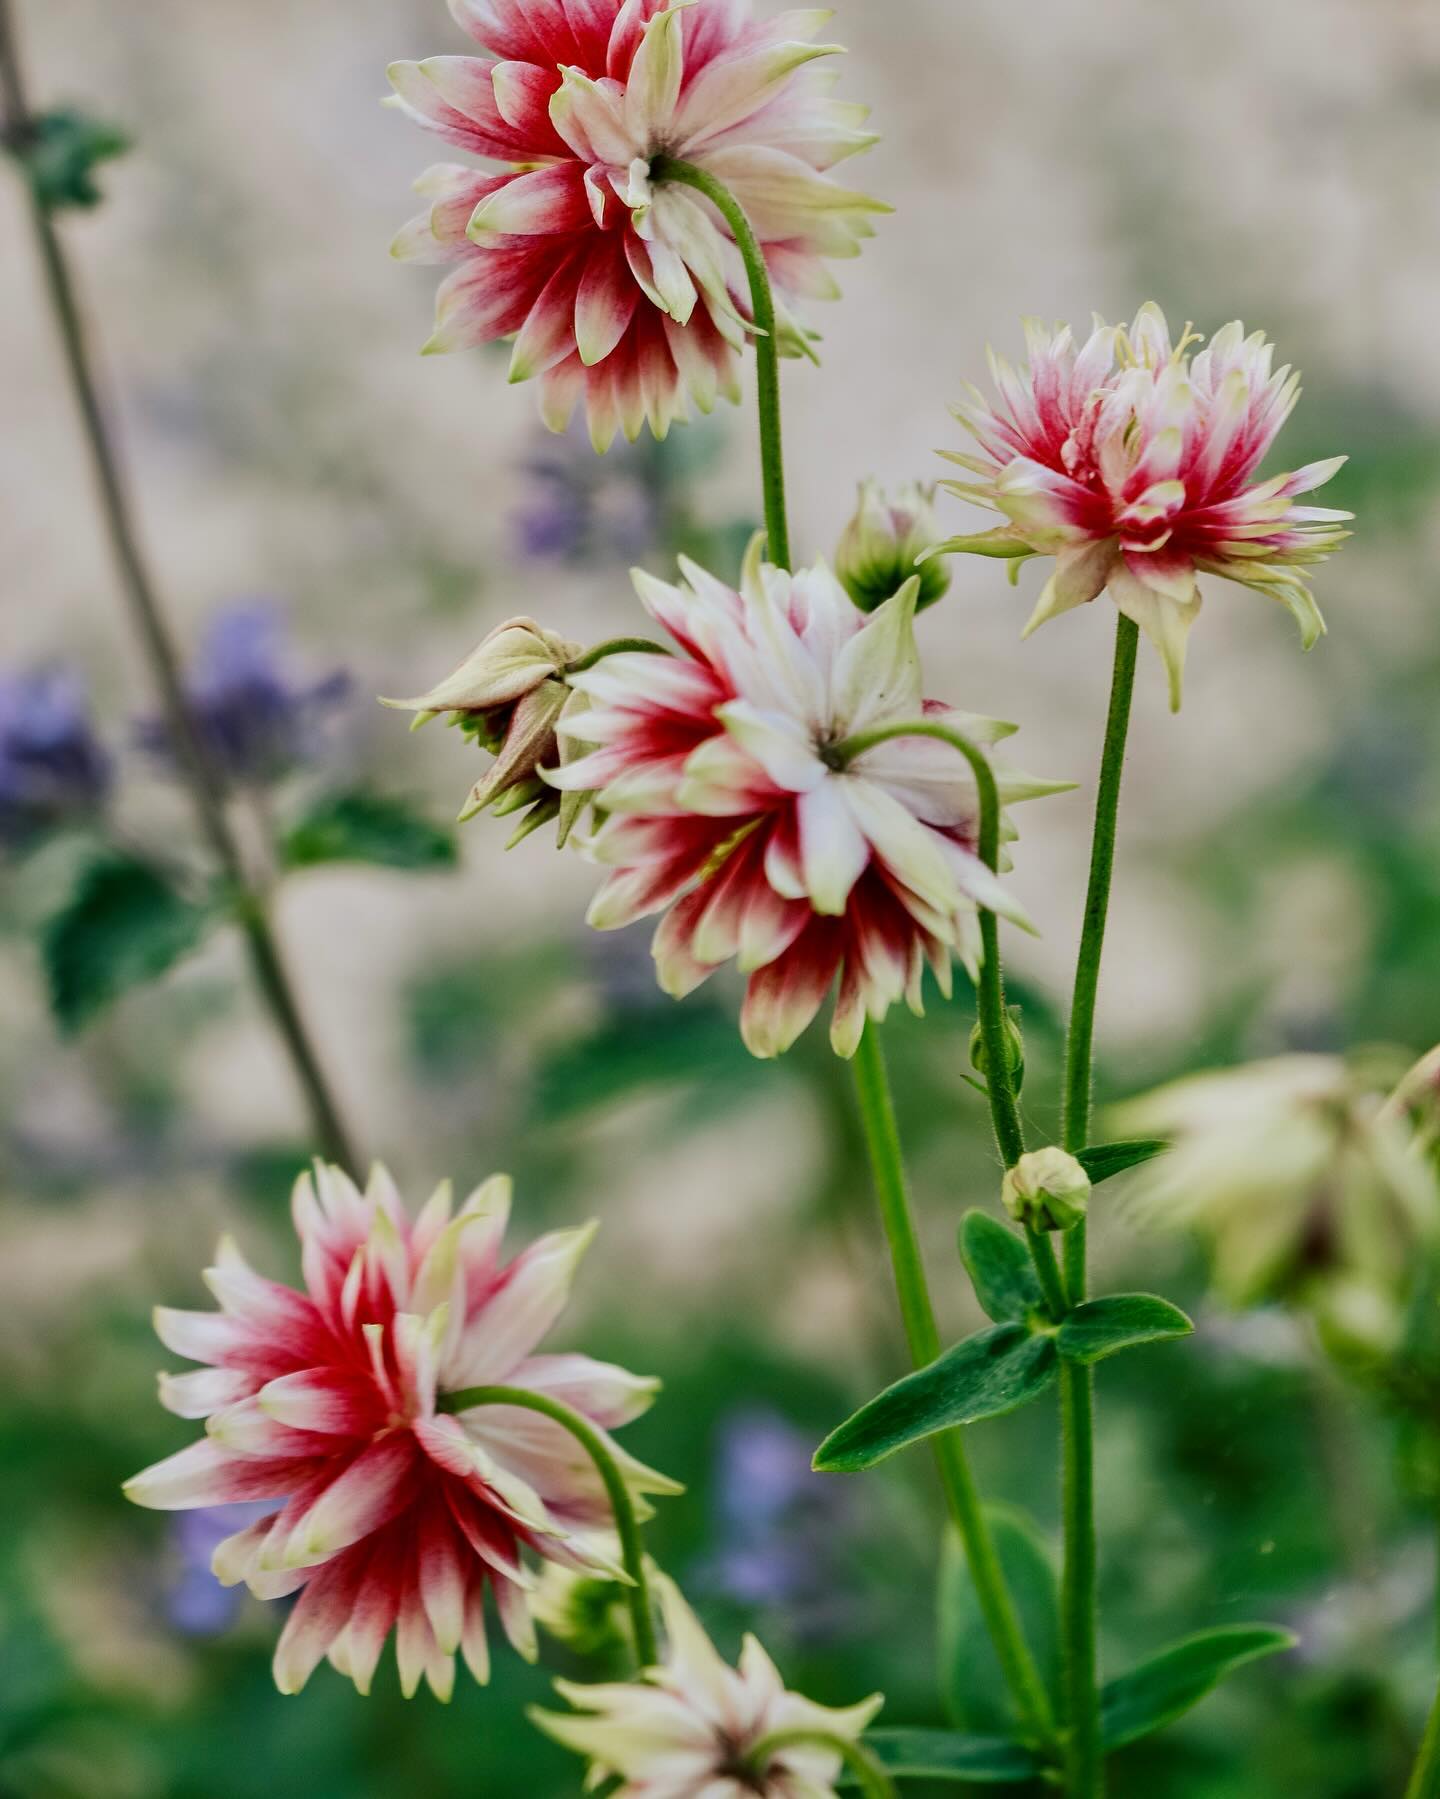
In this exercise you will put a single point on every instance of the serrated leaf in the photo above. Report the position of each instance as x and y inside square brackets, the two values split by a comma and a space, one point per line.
[1108, 1159]
[972, 1683]
[1169, 1684]
[1103, 1327]
[994, 1372]
[122, 925]
[951, 1755]
[999, 1265]
[367, 827]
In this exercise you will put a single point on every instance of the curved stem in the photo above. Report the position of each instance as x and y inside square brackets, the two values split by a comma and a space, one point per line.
[922, 1334]
[1425, 1781]
[870, 1777]
[767, 346]
[616, 646]
[627, 1524]
[207, 789]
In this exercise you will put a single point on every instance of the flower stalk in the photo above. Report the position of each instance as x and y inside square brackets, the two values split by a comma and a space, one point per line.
[870, 1778]
[205, 784]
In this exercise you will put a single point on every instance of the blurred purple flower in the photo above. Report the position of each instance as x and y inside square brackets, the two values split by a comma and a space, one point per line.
[195, 1602]
[581, 509]
[52, 767]
[258, 717]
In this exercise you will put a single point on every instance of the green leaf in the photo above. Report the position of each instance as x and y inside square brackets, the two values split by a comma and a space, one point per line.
[1103, 1327]
[949, 1755]
[999, 1264]
[972, 1683]
[988, 1374]
[122, 925]
[1108, 1159]
[61, 152]
[367, 827]
[1168, 1685]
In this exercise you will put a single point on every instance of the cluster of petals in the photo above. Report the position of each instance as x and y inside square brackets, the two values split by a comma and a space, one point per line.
[393, 1513]
[726, 806]
[1134, 463]
[626, 292]
[696, 1728]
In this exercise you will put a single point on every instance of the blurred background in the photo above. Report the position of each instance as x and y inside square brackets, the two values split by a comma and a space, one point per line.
[331, 518]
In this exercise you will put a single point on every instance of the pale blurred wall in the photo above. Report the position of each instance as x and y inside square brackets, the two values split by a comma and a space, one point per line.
[1275, 160]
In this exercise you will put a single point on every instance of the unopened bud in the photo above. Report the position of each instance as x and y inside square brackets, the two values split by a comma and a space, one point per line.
[1047, 1189]
[878, 551]
[1014, 1050]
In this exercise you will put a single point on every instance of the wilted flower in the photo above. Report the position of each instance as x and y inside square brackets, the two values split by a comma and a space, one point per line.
[509, 695]
[397, 1514]
[1046, 1189]
[256, 717]
[695, 1728]
[883, 542]
[624, 290]
[1303, 1186]
[725, 800]
[1134, 464]
[52, 768]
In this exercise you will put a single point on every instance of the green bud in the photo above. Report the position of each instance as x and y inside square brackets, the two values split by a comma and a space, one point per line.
[878, 551]
[1014, 1050]
[1047, 1189]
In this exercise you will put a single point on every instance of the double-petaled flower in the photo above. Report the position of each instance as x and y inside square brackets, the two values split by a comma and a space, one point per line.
[739, 798]
[1134, 464]
[620, 289]
[397, 1513]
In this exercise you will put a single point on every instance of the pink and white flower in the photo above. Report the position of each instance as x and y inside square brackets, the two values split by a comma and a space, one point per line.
[396, 1514]
[624, 291]
[1134, 464]
[726, 806]
[696, 1728]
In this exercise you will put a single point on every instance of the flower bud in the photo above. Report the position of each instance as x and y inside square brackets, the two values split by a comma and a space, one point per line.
[1014, 1050]
[1047, 1189]
[877, 553]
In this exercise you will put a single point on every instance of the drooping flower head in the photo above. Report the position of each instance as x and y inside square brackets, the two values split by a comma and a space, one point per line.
[396, 1514]
[725, 801]
[696, 1728]
[623, 291]
[1134, 463]
[52, 766]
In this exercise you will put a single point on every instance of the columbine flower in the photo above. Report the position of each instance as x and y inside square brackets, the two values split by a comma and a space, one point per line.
[52, 767]
[725, 801]
[1303, 1185]
[625, 291]
[257, 718]
[693, 1727]
[509, 695]
[1134, 464]
[396, 1513]
[883, 542]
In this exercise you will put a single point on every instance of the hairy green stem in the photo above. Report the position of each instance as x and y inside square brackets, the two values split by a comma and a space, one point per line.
[767, 346]
[207, 789]
[922, 1334]
[870, 1777]
[627, 1524]
[616, 646]
[1079, 1588]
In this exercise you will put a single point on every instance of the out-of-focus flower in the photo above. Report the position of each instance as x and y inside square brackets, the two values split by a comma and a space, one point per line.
[1303, 1186]
[1133, 464]
[257, 717]
[509, 696]
[621, 290]
[583, 511]
[195, 1602]
[884, 540]
[589, 1613]
[1418, 1099]
[1046, 1189]
[725, 801]
[52, 768]
[397, 1514]
[695, 1728]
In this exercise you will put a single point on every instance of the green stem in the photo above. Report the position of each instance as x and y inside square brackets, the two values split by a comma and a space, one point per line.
[767, 345]
[870, 1777]
[922, 1334]
[1425, 1781]
[616, 646]
[1079, 1589]
[207, 789]
[627, 1524]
